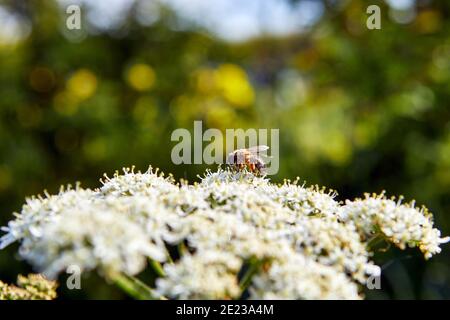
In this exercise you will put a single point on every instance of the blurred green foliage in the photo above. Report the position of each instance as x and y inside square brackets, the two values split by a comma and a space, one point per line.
[358, 110]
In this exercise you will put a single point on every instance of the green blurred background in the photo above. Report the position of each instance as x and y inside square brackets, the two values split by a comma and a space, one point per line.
[358, 110]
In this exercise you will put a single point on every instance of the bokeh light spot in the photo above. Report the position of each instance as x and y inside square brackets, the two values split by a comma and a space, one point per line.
[233, 82]
[141, 77]
[82, 84]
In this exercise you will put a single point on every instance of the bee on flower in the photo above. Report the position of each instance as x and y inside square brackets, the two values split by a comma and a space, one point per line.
[250, 159]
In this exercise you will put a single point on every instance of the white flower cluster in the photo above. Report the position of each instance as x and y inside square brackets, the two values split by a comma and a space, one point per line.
[401, 224]
[209, 275]
[234, 234]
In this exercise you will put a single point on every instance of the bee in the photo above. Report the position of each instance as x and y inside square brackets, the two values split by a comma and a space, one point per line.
[248, 158]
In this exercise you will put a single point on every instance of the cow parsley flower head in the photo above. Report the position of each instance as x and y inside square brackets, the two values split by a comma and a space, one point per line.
[401, 224]
[93, 236]
[31, 287]
[232, 235]
[225, 176]
[38, 211]
[301, 278]
[131, 183]
[204, 275]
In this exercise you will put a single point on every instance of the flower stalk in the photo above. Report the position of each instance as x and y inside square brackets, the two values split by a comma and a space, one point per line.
[133, 287]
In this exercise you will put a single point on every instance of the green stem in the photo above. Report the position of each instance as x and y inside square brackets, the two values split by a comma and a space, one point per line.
[247, 278]
[156, 266]
[182, 248]
[133, 287]
[374, 241]
[169, 258]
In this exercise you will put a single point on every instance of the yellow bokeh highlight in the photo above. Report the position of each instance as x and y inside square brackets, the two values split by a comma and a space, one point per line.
[82, 84]
[141, 77]
[233, 83]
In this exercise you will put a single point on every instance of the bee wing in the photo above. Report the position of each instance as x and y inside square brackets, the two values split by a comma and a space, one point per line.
[258, 149]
